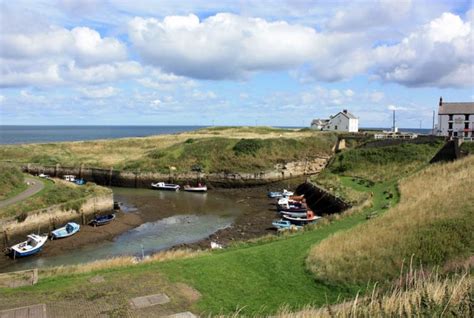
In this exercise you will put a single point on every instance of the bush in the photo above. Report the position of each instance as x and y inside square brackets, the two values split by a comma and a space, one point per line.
[156, 154]
[247, 147]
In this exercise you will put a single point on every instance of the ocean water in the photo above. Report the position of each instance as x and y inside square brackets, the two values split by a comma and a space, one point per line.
[45, 134]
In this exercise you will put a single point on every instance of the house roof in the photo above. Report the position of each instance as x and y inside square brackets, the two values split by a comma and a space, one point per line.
[456, 108]
[319, 121]
[348, 115]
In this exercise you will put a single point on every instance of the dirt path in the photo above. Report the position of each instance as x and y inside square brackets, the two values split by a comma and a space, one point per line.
[34, 186]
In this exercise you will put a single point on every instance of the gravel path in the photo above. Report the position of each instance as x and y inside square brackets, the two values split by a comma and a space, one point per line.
[34, 186]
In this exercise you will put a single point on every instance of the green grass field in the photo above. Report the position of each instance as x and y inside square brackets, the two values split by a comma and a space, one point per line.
[12, 181]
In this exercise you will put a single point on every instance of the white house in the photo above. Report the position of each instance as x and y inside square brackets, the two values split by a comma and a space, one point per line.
[456, 120]
[342, 121]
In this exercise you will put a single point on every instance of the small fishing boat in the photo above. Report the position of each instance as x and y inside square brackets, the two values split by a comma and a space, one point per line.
[289, 200]
[69, 229]
[102, 220]
[284, 193]
[165, 186]
[285, 225]
[294, 214]
[198, 188]
[302, 220]
[32, 245]
[80, 181]
[292, 208]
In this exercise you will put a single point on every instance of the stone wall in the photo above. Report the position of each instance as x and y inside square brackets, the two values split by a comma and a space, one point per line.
[46, 219]
[321, 201]
[138, 179]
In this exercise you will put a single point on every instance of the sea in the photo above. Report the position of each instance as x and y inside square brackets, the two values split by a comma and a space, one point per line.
[10, 134]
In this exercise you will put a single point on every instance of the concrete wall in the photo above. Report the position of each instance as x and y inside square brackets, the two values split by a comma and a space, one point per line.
[111, 177]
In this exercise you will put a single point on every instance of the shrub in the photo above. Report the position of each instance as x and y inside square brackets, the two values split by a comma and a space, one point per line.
[247, 146]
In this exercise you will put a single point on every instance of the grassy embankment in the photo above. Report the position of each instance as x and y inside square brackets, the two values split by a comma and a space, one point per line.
[219, 149]
[59, 192]
[433, 224]
[468, 147]
[12, 181]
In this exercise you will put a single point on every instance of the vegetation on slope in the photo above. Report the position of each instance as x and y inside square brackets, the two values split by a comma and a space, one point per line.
[419, 295]
[433, 223]
[242, 149]
[12, 181]
[53, 193]
[468, 148]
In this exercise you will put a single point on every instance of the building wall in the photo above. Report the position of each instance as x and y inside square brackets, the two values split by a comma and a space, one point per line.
[458, 123]
[342, 123]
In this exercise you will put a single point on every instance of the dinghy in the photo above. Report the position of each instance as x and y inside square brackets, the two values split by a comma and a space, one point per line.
[32, 245]
[69, 229]
[285, 225]
[198, 188]
[284, 193]
[80, 181]
[301, 220]
[102, 220]
[165, 186]
[294, 214]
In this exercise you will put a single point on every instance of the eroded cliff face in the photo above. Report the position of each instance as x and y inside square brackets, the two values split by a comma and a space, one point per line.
[110, 177]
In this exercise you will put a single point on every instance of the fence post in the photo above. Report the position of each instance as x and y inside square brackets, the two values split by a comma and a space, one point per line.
[110, 176]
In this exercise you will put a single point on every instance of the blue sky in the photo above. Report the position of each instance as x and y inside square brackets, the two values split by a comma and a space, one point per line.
[278, 63]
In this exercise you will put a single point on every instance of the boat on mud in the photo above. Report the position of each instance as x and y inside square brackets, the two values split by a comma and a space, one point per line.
[301, 220]
[69, 229]
[80, 181]
[165, 186]
[199, 188]
[284, 193]
[31, 246]
[294, 214]
[102, 220]
[285, 225]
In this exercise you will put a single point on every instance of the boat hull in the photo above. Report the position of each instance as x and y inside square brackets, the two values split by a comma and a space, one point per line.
[63, 233]
[99, 221]
[196, 189]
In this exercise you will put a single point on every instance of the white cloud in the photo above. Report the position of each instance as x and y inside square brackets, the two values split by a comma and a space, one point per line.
[395, 107]
[98, 93]
[222, 46]
[200, 95]
[2, 99]
[437, 54]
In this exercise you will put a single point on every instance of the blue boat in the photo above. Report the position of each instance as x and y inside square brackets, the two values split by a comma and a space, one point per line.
[32, 245]
[285, 225]
[69, 229]
[80, 181]
[102, 220]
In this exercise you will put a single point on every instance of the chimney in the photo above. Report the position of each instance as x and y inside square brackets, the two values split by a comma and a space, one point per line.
[441, 101]
[345, 111]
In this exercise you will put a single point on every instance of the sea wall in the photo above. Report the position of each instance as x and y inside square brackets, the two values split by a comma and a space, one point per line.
[138, 179]
[321, 201]
[44, 220]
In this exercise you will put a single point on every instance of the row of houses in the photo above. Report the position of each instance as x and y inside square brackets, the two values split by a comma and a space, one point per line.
[455, 120]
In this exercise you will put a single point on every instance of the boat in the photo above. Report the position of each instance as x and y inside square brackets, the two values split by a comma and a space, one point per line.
[69, 177]
[289, 200]
[69, 229]
[294, 214]
[198, 188]
[301, 220]
[284, 193]
[165, 186]
[102, 220]
[32, 245]
[292, 208]
[285, 225]
[80, 181]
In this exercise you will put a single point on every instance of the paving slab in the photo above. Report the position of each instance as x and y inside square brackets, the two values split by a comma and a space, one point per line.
[147, 301]
[185, 314]
[33, 311]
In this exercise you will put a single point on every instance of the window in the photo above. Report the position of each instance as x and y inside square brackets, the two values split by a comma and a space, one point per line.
[466, 125]
[455, 134]
[335, 127]
[466, 117]
[450, 117]
[466, 134]
[450, 126]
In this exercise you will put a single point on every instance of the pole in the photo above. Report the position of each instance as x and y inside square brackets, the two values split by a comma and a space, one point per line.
[143, 251]
[433, 130]
[393, 126]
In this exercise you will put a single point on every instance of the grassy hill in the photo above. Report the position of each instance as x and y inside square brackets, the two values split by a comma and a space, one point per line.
[235, 149]
[12, 181]
[432, 224]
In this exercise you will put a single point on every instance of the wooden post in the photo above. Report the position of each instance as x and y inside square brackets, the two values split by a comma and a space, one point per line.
[136, 178]
[110, 176]
[83, 217]
[5, 237]
[35, 276]
[56, 168]
[80, 170]
[28, 168]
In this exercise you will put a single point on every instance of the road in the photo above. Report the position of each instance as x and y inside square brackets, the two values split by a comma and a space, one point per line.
[34, 186]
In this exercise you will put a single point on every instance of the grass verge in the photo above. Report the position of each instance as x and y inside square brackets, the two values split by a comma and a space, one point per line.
[12, 181]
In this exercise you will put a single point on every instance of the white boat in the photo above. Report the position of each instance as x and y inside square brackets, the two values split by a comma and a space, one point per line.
[32, 245]
[301, 220]
[165, 186]
[198, 188]
[69, 177]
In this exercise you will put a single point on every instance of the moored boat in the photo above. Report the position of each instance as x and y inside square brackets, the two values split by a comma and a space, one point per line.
[302, 220]
[165, 186]
[276, 194]
[198, 188]
[80, 181]
[32, 245]
[102, 220]
[294, 214]
[69, 229]
[285, 225]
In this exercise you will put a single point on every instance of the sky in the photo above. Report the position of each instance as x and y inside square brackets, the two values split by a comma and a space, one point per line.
[275, 63]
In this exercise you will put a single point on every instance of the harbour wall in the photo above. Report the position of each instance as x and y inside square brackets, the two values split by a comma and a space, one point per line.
[45, 220]
[321, 201]
[142, 179]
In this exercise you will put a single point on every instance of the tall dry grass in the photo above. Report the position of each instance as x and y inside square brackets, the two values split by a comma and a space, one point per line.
[419, 296]
[433, 222]
[119, 262]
